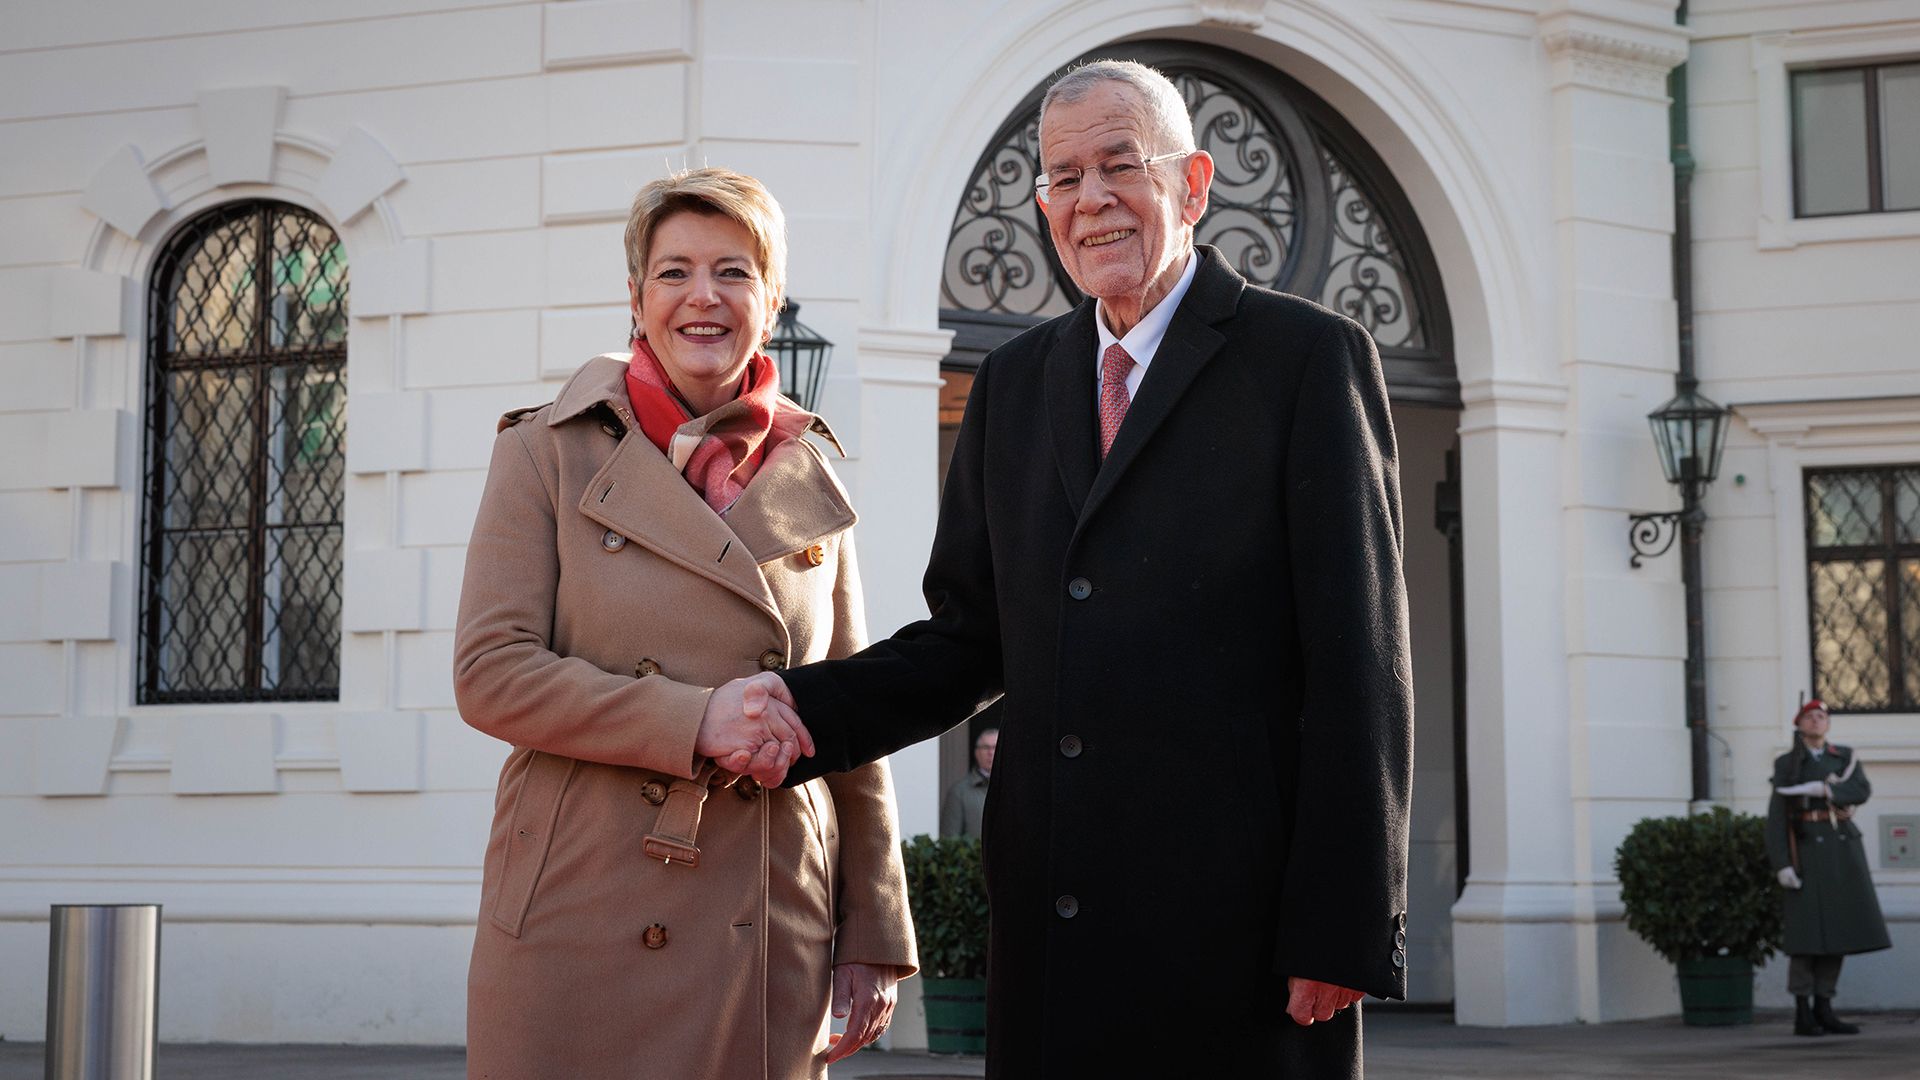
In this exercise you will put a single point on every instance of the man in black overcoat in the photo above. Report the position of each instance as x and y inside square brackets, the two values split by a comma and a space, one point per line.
[1182, 566]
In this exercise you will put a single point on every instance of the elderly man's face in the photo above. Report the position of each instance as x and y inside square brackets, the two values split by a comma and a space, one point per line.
[1124, 245]
[983, 748]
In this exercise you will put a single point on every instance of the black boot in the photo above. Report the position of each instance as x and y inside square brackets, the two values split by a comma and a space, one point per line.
[1823, 1013]
[1803, 1021]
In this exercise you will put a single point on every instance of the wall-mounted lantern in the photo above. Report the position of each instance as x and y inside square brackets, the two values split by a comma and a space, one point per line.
[802, 356]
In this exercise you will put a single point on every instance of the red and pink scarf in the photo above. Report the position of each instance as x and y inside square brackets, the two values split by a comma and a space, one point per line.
[718, 453]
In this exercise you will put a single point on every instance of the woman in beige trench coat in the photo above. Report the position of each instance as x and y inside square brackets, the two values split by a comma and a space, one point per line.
[662, 527]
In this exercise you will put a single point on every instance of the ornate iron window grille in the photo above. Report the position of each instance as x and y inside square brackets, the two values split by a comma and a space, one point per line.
[245, 451]
[1863, 587]
[1299, 204]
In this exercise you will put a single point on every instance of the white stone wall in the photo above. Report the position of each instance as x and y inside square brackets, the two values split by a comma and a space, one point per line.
[319, 863]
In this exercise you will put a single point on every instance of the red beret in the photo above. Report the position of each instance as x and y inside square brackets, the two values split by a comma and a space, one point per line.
[1811, 705]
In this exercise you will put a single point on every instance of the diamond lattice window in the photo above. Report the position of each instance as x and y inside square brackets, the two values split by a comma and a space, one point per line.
[1863, 587]
[245, 454]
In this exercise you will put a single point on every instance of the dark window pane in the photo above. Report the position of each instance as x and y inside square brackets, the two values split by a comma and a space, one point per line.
[213, 302]
[202, 643]
[303, 609]
[1910, 629]
[1830, 141]
[1906, 506]
[1849, 615]
[208, 447]
[1900, 136]
[1843, 509]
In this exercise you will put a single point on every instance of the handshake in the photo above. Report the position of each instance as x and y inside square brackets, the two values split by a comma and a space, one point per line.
[751, 726]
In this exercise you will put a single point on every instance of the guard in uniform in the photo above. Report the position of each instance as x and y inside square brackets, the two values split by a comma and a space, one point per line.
[1817, 854]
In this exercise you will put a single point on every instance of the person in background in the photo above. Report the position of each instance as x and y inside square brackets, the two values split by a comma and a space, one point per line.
[661, 528]
[1819, 859]
[966, 801]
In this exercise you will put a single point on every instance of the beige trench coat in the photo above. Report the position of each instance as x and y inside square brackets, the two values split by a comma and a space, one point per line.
[636, 923]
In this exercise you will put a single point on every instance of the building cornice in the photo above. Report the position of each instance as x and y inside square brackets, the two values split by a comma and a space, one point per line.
[1603, 52]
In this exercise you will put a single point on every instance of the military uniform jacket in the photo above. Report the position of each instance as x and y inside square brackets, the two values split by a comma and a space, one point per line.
[1835, 912]
[1202, 778]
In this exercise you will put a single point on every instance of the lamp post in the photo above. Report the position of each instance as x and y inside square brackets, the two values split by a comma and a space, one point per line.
[1690, 431]
[802, 356]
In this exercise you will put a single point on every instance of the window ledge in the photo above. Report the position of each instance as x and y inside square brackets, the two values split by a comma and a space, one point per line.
[1776, 235]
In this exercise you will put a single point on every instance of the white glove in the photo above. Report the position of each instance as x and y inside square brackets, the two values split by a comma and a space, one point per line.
[1811, 787]
[1788, 879]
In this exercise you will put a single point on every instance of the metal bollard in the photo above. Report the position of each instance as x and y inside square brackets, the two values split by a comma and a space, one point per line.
[103, 991]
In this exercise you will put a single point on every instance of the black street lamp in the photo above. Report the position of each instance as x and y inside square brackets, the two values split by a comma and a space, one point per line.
[802, 355]
[1691, 432]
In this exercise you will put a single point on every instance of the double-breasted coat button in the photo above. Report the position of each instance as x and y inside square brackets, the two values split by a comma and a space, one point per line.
[647, 666]
[654, 937]
[1399, 939]
[1067, 906]
[773, 660]
[613, 541]
[748, 788]
[610, 429]
[1400, 920]
[816, 554]
[1079, 588]
[1070, 746]
[654, 792]
[1399, 959]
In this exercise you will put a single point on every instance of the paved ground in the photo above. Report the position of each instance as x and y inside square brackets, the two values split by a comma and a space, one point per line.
[1400, 1046]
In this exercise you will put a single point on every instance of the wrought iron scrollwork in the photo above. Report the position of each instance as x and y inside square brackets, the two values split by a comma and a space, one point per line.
[1367, 278]
[998, 255]
[1652, 535]
[1251, 211]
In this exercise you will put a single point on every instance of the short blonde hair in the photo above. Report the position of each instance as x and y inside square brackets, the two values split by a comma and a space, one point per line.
[713, 191]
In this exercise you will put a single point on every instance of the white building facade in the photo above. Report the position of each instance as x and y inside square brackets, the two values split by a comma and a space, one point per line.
[435, 191]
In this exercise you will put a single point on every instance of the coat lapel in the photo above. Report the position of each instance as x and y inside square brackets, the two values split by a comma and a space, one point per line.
[792, 503]
[1190, 343]
[1070, 405]
[641, 496]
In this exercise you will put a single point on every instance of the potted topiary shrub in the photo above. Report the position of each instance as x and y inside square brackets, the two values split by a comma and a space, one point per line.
[948, 896]
[1700, 891]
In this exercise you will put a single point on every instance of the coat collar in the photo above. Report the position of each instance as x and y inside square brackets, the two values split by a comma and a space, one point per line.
[792, 503]
[1190, 343]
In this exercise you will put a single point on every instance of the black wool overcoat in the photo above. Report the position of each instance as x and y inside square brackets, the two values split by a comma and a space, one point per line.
[1203, 775]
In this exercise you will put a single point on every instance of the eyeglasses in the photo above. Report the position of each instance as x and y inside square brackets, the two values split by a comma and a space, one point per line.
[1118, 171]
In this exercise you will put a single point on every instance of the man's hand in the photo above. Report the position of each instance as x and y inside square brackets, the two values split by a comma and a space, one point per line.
[1308, 1001]
[750, 726]
[1788, 878]
[864, 994]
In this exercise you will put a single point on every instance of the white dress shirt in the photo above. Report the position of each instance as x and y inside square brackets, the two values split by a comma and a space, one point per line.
[1144, 339]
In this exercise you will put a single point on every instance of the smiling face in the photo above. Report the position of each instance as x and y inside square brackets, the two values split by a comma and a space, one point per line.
[702, 303]
[1126, 246]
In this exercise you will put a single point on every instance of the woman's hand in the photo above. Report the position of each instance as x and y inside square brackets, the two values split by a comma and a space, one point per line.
[864, 994]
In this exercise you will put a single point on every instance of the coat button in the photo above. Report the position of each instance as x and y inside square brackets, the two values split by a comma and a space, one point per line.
[1070, 746]
[1399, 939]
[1067, 906]
[647, 666]
[654, 792]
[1400, 920]
[773, 660]
[611, 430]
[1079, 588]
[655, 937]
[613, 541]
[1399, 959]
[816, 555]
[748, 788]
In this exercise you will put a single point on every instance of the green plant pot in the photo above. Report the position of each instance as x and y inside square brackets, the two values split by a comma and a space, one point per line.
[956, 1015]
[1716, 992]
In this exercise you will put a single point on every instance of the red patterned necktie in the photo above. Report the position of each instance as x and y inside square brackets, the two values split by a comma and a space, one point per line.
[1115, 365]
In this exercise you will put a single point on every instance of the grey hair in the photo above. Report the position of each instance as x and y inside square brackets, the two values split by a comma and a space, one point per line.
[1166, 110]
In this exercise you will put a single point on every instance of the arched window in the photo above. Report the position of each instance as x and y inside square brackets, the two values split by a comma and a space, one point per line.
[1299, 203]
[245, 452]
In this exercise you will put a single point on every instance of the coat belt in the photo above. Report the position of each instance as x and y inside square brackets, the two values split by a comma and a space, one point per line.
[674, 831]
[1832, 815]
